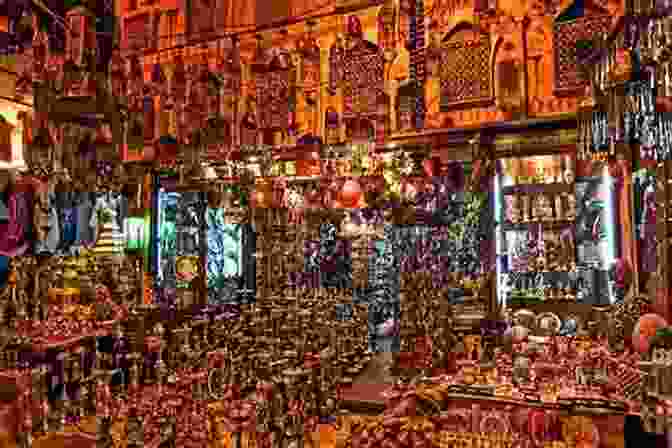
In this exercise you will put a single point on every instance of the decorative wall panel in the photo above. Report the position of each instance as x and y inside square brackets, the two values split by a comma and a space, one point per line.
[358, 68]
[465, 71]
[566, 36]
[362, 72]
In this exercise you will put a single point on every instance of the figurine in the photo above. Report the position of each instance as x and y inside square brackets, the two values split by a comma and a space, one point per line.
[104, 436]
[134, 430]
[167, 433]
[521, 369]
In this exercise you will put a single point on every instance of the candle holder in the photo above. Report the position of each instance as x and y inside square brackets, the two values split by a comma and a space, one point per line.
[525, 203]
[571, 207]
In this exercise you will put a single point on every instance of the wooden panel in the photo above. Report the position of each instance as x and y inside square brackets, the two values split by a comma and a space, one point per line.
[465, 70]
[566, 37]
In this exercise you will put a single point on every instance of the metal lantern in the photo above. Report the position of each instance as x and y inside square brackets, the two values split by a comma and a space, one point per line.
[72, 78]
[159, 85]
[310, 72]
[40, 158]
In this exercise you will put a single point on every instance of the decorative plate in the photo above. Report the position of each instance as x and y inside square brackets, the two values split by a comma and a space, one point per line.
[494, 422]
[525, 318]
[187, 268]
[549, 322]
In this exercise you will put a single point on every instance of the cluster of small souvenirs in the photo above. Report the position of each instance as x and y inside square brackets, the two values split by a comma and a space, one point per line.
[216, 226]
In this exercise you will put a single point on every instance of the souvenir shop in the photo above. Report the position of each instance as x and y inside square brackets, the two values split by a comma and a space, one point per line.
[278, 226]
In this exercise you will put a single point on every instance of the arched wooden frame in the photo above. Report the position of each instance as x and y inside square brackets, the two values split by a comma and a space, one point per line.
[360, 129]
[249, 128]
[509, 93]
[466, 82]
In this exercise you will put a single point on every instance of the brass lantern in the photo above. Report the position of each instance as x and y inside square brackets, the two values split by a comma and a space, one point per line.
[40, 160]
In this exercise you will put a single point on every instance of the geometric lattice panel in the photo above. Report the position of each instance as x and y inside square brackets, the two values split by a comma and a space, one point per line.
[566, 36]
[363, 79]
[465, 72]
[364, 66]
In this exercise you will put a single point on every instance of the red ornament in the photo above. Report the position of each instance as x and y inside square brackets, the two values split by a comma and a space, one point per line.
[354, 27]
[351, 193]
[431, 166]
[645, 329]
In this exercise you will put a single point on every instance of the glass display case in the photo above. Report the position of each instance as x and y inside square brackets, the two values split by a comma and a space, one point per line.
[535, 210]
[556, 234]
[178, 240]
[230, 264]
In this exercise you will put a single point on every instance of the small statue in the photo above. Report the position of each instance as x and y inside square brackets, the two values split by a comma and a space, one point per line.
[161, 372]
[570, 213]
[167, 434]
[104, 436]
[135, 434]
[521, 370]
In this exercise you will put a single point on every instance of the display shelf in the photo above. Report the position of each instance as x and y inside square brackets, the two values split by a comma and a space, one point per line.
[548, 225]
[550, 275]
[523, 301]
[303, 179]
[554, 188]
[560, 308]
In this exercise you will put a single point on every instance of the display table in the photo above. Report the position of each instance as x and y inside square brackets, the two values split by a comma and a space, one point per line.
[65, 440]
[472, 421]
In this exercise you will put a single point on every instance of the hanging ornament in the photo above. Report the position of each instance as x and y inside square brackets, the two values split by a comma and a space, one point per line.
[351, 193]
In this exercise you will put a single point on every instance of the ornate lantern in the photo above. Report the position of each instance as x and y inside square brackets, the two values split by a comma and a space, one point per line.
[275, 78]
[225, 94]
[332, 123]
[159, 86]
[136, 85]
[24, 83]
[40, 158]
[213, 98]
[81, 22]
[311, 65]
[118, 74]
[104, 141]
[178, 85]
[81, 53]
[40, 52]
